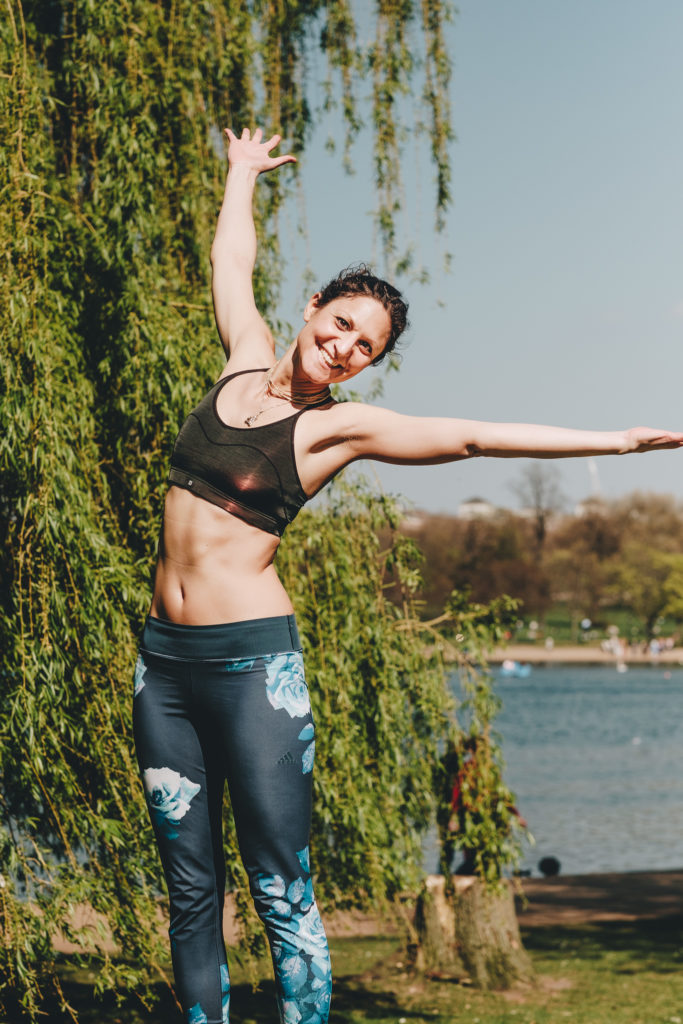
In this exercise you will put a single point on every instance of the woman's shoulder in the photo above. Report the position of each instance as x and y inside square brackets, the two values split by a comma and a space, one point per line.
[343, 421]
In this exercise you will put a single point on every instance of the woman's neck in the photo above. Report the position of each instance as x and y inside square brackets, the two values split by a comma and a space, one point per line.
[286, 375]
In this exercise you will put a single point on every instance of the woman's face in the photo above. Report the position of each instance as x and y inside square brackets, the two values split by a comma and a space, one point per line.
[342, 337]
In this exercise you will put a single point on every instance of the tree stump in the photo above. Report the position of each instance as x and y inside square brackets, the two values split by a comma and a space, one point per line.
[436, 950]
[472, 933]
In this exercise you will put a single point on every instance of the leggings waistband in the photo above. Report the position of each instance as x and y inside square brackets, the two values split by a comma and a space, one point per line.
[247, 639]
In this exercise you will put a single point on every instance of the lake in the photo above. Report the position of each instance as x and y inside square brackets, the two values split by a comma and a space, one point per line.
[595, 759]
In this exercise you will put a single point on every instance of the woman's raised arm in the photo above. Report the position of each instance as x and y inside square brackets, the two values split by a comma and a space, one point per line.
[381, 434]
[233, 253]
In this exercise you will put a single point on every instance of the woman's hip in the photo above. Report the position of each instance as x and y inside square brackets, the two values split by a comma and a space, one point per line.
[250, 638]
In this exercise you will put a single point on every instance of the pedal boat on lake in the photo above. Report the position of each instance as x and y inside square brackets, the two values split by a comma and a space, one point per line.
[515, 669]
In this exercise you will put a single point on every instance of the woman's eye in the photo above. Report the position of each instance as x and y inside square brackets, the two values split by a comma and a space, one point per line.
[343, 323]
[366, 345]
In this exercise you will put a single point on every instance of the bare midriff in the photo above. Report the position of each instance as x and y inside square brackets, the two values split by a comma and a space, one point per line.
[214, 567]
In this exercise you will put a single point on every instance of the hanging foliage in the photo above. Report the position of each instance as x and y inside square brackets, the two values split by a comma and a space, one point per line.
[111, 174]
[381, 705]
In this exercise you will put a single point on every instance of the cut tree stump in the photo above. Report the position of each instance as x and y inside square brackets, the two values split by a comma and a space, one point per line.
[472, 933]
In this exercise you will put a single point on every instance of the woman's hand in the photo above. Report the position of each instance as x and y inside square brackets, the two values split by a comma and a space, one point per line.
[647, 439]
[252, 151]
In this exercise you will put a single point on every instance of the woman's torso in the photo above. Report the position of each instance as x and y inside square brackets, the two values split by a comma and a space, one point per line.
[214, 566]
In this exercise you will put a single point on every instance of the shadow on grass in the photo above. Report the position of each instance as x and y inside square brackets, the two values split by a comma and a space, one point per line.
[363, 990]
[352, 1000]
[77, 986]
[371, 983]
[654, 945]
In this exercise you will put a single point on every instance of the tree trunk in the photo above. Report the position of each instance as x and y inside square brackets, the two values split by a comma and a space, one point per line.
[472, 933]
[436, 951]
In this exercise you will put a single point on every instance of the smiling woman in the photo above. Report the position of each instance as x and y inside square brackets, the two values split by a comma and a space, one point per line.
[220, 690]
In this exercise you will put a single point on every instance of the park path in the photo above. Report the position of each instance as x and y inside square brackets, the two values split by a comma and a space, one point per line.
[578, 899]
[581, 654]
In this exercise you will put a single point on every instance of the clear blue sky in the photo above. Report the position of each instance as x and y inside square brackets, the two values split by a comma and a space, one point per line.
[565, 301]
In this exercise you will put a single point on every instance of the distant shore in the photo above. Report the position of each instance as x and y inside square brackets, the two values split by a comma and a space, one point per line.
[581, 654]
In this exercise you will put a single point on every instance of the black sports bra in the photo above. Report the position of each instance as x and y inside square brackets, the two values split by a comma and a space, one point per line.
[249, 471]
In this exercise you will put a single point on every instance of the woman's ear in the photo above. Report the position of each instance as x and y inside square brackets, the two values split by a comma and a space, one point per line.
[311, 306]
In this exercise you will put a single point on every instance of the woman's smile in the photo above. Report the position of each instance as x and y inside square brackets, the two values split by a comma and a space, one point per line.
[327, 359]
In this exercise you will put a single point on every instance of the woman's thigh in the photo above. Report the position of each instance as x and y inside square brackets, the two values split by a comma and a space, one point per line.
[257, 713]
[183, 783]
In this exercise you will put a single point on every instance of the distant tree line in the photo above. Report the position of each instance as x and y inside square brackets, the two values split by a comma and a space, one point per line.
[625, 554]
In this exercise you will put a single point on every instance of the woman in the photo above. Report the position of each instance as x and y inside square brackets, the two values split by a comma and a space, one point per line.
[220, 690]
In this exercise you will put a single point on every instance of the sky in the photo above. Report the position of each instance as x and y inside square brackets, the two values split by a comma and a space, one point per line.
[564, 303]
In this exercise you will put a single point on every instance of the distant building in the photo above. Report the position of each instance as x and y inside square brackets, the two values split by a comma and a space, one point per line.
[593, 506]
[413, 522]
[476, 508]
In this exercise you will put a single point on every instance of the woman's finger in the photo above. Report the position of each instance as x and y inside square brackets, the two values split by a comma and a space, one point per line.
[278, 160]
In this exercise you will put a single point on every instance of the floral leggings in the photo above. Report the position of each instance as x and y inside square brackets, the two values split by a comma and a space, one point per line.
[229, 702]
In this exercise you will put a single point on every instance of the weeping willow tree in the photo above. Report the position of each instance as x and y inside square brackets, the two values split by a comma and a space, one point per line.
[111, 173]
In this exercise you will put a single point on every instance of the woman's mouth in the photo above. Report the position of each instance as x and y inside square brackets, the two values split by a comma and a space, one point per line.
[327, 360]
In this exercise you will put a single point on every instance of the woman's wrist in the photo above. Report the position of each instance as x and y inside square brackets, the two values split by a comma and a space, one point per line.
[625, 443]
[241, 170]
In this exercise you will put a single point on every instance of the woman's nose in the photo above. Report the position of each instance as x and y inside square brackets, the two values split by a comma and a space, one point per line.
[344, 345]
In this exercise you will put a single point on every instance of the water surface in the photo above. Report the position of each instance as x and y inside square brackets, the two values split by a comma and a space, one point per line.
[595, 758]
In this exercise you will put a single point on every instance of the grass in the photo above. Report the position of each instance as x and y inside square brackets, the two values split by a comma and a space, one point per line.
[558, 624]
[615, 973]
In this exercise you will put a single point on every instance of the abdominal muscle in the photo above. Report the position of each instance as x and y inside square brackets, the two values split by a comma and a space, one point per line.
[213, 567]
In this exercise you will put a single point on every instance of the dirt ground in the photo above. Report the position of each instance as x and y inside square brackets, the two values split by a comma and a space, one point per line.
[562, 900]
[578, 899]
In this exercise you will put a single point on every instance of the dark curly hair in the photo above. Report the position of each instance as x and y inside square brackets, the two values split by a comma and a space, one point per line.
[360, 280]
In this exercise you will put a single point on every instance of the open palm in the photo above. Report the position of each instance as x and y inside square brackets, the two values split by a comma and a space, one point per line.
[248, 149]
[646, 439]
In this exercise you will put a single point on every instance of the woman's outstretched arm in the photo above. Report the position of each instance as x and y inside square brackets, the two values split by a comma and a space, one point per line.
[233, 253]
[388, 436]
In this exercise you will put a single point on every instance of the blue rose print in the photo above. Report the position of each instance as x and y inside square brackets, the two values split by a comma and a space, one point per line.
[239, 666]
[281, 908]
[290, 1013]
[225, 993]
[296, 890]
[195, 1015]
[271, 885]
[293, 973]
[139, 677]
[308, 756]
[286, 687]
[307, 898]
[304, 859]
[311, 934]
[303, 968]
[168, 795]
[302, 961]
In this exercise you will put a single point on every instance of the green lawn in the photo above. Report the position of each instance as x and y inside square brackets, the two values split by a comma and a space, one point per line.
[625, 973]
[558, 624]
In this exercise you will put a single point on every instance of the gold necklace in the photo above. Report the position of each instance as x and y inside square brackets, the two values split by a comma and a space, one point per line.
[274, 390]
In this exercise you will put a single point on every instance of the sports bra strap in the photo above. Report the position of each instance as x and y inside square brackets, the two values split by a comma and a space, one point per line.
[238, 373]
